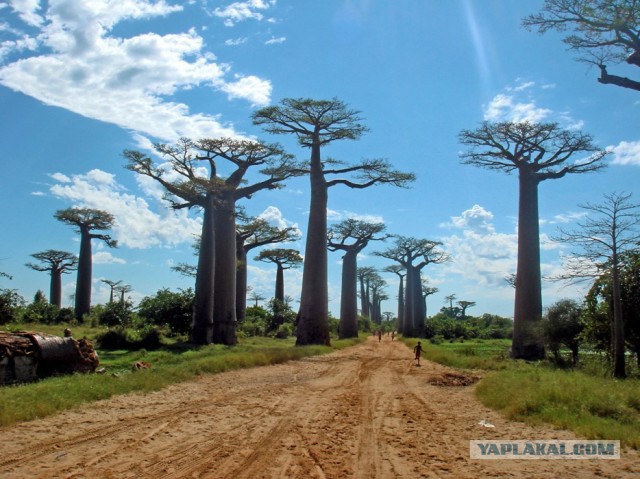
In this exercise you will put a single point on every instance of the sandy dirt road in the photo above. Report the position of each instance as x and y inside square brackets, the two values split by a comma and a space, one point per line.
[363, 412]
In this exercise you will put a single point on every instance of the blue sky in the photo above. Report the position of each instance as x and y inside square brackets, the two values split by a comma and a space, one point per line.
[82, 81]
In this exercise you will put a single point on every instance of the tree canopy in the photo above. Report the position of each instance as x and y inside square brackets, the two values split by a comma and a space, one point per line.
[600, 31]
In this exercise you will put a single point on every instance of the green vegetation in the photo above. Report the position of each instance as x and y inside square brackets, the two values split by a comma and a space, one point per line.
[489, 354]
[585, 400]
[170, 364]
[593, 407]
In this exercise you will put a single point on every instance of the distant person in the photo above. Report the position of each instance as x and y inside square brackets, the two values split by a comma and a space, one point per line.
[393, 335]
[418, 351]
[379, 335]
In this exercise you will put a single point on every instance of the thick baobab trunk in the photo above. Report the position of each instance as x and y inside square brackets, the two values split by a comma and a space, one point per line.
[55, 291]
[224, 291]
[349, 296]
[364, 299]
[409, 305]
[313, 316]
[83, 282]
[400, 323]
[278, 305]
[527, 340]
[618, 325]
[241, 281]
[418, 308]
[202, 320]
[279, 294]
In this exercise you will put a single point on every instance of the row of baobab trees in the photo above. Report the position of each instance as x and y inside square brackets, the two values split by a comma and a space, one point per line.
[536, 151]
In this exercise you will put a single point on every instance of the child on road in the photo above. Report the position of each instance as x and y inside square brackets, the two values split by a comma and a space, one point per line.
[418, 350]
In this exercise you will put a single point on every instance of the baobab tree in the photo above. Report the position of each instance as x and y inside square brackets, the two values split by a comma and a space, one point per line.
[426, 292]
[283, 258]
[250, 234]
[538, 152]
[365, 274]
[401, 272]
[376, 285]
[611, 230]
[449, 299]
[414, 254]
[257, 297]
[87, 221]
[602, 31]
[57, 263]
[464, 305]
[122, 290]
[217, 196]
[112, 286]
[316, 124]
[351, 236]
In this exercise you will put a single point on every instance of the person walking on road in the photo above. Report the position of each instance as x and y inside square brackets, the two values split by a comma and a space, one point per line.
[418, 350]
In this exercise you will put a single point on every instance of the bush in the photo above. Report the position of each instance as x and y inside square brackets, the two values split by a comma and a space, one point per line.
[251, 326]
[40, 311]
[10, 304]
[169, 309]
[116, 314]
[123, 338]
[284, 331]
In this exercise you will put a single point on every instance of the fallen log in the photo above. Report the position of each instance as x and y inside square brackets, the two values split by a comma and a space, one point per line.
[27, 356]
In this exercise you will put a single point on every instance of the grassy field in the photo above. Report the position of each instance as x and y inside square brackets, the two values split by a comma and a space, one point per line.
[172, 364]
[593, 406]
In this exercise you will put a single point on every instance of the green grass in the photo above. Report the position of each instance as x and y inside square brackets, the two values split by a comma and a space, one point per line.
[488, 354]
[173, 364]
[592, 405]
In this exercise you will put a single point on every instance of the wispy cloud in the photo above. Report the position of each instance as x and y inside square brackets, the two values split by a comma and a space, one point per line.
[236, 41]
[240, 11]
[519, 103]
[275, 41]
[335, 215]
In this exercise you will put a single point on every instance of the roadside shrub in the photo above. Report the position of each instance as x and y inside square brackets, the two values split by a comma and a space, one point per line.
[10, 304]
[168, 309]
[116, 314]
[284, 331]
[251, 326]
[40, 311]
[124, 338]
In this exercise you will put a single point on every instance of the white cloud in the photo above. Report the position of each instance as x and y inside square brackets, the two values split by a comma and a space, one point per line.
[333, 215]
[475, 219]
[275, 41]
[518, 104]
[273, 216]
[38, 193]
[104, 257]
[523, 86]
[136, 224]
[237, 41]
[569, 217]
[626, 153]
[479, 253]
[60, 178]
[252, 88]
[125, 81]
[240, 11]
[27, 11]
[505, 108]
